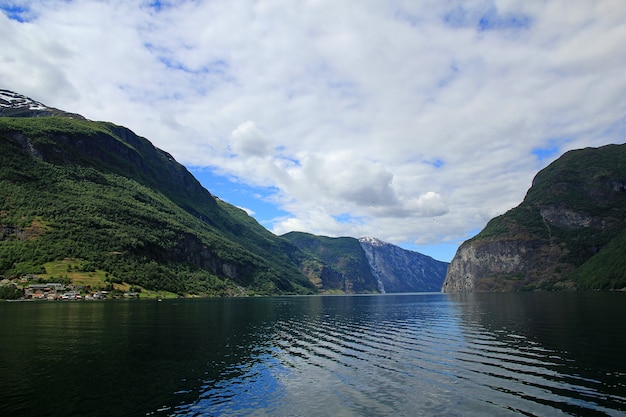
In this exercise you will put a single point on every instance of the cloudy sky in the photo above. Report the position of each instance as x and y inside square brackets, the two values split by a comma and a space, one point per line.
[411, 121]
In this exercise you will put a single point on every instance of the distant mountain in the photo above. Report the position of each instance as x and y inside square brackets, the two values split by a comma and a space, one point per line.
[568, 233]
[401, 270]
[366, 265]
[108, 207]
[334, 264]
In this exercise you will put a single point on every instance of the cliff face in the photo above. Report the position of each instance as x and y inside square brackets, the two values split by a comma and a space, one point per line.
[502, 265]
[573, 216]
[366, 265]
[400, 270]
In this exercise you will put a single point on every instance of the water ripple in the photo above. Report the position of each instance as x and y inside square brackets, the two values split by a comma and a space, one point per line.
[399, 365]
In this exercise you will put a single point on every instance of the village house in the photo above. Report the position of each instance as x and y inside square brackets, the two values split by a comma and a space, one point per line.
[51, 290]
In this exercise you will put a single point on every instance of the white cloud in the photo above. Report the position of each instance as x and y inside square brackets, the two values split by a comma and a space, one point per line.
[409, 121]
[248, 140]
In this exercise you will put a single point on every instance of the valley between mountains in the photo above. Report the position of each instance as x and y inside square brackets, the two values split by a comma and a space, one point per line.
[94, 206]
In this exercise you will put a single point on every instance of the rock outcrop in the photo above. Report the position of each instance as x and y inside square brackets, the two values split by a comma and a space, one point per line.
[573, 216]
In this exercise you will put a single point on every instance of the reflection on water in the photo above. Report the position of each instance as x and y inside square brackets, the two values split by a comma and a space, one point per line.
[565, 347]
[424, 354]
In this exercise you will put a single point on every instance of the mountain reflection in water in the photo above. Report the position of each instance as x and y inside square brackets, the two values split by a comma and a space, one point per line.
[420, 354]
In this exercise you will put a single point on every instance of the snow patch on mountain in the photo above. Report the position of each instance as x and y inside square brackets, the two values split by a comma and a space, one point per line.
[372, 241]
[10, 99]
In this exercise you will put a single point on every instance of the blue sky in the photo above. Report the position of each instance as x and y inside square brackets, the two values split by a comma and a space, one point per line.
[15, 12]
[413, 122]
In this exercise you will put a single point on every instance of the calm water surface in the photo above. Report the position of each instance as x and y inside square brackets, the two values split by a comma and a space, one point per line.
[532, 354]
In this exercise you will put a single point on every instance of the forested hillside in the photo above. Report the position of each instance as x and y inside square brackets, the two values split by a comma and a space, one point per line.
[334, 264]
[96, 192]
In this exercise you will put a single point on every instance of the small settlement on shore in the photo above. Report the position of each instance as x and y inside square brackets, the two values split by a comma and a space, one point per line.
[52, 291]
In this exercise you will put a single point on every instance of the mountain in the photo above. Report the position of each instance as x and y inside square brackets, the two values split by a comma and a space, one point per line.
[365, 265]
[568, 233]
[334, 264]
[17, 105]
[93, 203]
[98, 194]
[401, 270]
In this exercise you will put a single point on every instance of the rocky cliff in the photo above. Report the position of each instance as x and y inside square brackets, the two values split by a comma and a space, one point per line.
[400, 270]
[568, 233]
[366, 265]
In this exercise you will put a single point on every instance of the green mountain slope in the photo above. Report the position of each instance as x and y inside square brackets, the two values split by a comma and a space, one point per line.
[94, 191]
[334, 264]
[569, 232]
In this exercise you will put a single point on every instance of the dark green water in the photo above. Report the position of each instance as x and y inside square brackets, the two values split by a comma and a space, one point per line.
[542, 354]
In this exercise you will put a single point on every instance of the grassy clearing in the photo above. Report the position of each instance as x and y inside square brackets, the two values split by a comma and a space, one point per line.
[72, 269]
[146, 294]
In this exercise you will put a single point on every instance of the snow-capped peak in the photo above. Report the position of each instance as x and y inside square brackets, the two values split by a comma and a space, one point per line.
[10, 99]
[372, 241]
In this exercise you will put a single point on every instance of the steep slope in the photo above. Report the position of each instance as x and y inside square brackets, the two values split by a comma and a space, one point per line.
[365, 265]
[334, 264]
[568, 233]
[401, 270]
[73, 188]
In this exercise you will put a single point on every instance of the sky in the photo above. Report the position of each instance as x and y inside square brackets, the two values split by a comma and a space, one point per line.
[415, 122]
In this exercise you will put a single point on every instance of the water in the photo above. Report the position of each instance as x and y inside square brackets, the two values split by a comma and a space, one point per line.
[542, 354]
